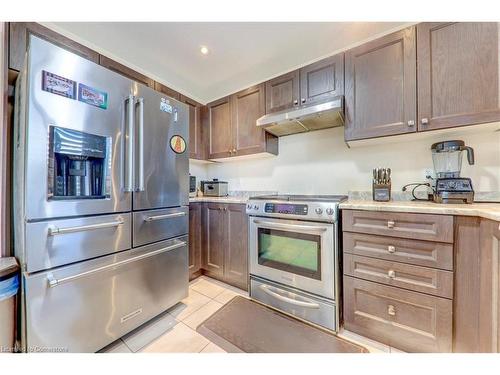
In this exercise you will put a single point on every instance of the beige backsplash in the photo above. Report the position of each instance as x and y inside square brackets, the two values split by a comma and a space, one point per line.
[321, 163]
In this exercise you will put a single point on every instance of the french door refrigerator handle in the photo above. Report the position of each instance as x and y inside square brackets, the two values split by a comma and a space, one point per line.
[129, 180]
[266, 290]
[52, 281]
[140, 140]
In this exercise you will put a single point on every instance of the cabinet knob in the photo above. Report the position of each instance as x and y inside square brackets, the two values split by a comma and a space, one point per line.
[234, 151]
[391, 310]
[391, 249]
[295, 102]
[303, 100]
[391, 274]
[411, 123]
[390, 224]
[424, 121]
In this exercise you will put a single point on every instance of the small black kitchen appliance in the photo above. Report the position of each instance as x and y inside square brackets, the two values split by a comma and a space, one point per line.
[447, 159]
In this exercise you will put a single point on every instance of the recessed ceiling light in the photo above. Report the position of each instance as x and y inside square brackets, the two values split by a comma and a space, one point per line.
[204, 50]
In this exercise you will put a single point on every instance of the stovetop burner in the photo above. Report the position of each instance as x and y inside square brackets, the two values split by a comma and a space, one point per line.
[303, 198]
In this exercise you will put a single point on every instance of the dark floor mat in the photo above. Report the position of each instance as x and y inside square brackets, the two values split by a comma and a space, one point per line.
[247, 326]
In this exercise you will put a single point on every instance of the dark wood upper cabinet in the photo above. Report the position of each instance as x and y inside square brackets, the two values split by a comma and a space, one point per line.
[196, 139]
[220, 141]
[19, 33]
[236, 250]
[125, 71]
[458, 74]
[194, 239]
[283, 92]
[380, 87]
[322, 80]
[231, 125]
[213, 228]
[167, 90]
[247, 106]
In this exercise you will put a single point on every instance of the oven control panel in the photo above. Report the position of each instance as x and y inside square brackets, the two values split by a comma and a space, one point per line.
[286, 208]
[314, 211]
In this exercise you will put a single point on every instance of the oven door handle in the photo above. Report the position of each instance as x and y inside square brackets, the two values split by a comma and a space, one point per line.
[294, 227]
[310, 305]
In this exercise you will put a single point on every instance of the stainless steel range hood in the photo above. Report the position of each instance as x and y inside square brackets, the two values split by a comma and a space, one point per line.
[327, 114]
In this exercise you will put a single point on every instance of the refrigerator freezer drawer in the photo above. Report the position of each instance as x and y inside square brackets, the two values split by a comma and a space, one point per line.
[54, 243]
[156, 225]
[86, 306]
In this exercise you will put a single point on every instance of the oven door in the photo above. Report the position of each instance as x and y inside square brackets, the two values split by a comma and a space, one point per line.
[300, 254]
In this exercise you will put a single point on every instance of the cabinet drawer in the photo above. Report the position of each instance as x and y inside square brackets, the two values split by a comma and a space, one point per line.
[419, 279]
[421, 253]
[397, 224]
[410, 321]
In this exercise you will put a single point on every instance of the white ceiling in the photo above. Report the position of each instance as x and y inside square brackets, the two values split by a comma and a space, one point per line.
[241, 54]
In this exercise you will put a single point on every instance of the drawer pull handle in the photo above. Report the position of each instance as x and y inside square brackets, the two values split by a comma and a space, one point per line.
[390, 224]
[391, 274]
[54, 230]
[53, 282]
[167, 216]
[391, 249]
[391, 310]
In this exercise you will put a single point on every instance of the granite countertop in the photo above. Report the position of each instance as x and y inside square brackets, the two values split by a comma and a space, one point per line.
[485, 210]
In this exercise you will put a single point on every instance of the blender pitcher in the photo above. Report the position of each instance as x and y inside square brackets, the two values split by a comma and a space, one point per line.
[447, 158]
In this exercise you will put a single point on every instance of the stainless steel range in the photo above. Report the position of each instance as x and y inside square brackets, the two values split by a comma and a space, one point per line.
[294, 262]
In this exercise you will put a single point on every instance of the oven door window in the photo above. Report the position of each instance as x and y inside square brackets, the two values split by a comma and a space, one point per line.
[297, 253]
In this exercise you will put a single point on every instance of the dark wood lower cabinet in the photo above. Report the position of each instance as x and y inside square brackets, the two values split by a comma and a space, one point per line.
[194, 240]
[236, 250]
[213, 229]
[225, 243]
[489, 297]
[477, 286]
[413, 322]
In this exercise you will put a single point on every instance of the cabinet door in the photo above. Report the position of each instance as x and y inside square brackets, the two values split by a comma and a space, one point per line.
[19, 33]
[196, 144]
[214, 238]
[236, 254]
[489, 299]
[282, 92]
[247, 106]
[322, 80]
[458, 74]
[125, 71]
[194, 239]
[219, 129]
[380, 87]
[167, 90]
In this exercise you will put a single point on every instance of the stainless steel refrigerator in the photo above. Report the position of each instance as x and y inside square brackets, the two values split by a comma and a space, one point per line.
[100, 201]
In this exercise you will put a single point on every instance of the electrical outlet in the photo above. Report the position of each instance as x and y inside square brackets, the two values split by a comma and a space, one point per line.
[429, 174]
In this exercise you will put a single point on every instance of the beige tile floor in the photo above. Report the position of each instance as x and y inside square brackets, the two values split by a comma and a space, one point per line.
[175, 330]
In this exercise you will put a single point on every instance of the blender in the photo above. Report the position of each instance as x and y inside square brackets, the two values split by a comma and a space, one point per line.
[447, 160]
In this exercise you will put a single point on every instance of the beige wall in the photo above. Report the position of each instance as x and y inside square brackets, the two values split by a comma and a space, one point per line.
[321, 163]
